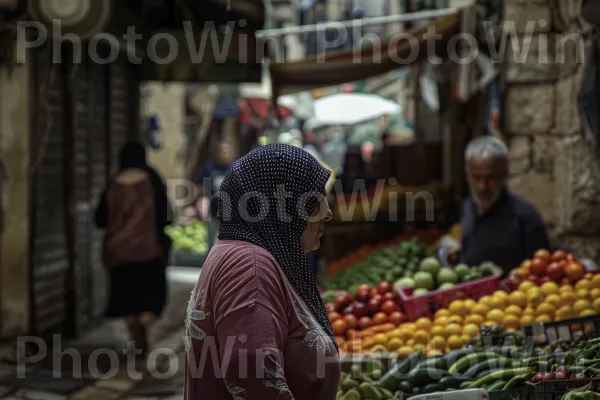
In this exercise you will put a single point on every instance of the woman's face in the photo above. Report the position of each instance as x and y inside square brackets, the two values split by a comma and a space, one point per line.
[311, 237]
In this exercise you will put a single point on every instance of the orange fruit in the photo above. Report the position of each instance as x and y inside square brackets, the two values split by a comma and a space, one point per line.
[495, 315]
[470, 303]
[568, 297]
[500, 293]
[549, 288]
[455, 319]
[442, 312]
[514, 310]
[437, 330]
[511, 321]
[394, 344]
[566, 288]
[565, 312]
[441, 321]
[475, 319]
[419, 346]
[480, 309]
[380, 338]
[405, 334]
[457, 307]
[526, 320]
[517, 298]
[583, 293]
[484, 300]
[529, 311]
[535, 299]
[410, 342]
[545, 308]
[471, 330]
[423, 324]
[543, 318]
[525, 286]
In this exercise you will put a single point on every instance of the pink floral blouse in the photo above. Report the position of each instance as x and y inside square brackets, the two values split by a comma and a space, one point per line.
[250, 336]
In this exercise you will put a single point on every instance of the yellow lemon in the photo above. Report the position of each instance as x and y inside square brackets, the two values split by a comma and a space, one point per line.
[419, 346]
[466, 338]
[484, 300]
[596, 304]
[475, 319]
[438, 343]
[442, 312]
[517, 298]
[441, 321]
[525, 286]
[545, 308]
[452, 329]
[424, 324]
[568, 298]
[596, 281]
[500, 293]
[433, 353]
[549, 288]
[529, 311]
[495, 315]
[588, 313]
[470, 303]
[583, 284]
[535, 299]
[497, 302]
[566, 288]
[490, 323]
[511, 322]
[421, 336]
[526, 320]
[405, 334]
[543, 318]
[583, 293]
[471, 330]
[455, 342]
[457, 307]
[394, 344]
[411, 342]
[594, 294]
[514, 310]
[565, 312]
[455, 319]
[554, 299]
[404, 352]
[480, 309]
[437, 330]
[409, 325]
[380, 338]
[581, 305]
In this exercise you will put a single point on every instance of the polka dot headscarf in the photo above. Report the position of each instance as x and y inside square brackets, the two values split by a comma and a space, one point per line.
[252, 199]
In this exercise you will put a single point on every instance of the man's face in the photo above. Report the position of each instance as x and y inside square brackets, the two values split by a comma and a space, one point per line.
[486, 179]
[224, 155]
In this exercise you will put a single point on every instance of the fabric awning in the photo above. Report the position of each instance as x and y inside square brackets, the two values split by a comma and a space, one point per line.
[357, 64]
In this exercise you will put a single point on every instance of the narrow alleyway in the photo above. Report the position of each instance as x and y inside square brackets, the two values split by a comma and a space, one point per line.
[108, 374]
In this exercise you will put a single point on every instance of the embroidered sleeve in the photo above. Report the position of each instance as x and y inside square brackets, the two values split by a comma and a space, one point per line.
[251, 345]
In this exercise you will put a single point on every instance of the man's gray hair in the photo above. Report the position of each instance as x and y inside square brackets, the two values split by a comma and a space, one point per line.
[486, 148]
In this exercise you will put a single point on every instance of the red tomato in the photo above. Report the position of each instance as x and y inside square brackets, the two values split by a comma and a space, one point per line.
[538, 267]
[364, 323]
[351, 321]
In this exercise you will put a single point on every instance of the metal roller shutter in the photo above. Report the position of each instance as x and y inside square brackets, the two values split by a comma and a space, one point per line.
[49, 255]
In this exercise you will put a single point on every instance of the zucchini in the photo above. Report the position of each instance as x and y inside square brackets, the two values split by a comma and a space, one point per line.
[498, 385]
[470, 360]
[452, 357]
[466, 384]
[391, 380]
[431, 388]
[406, 387]
[423, 376]
[451, 382]
[501, 374]
[494, 363]
[433, 362]
[484, 373]
[517, 380]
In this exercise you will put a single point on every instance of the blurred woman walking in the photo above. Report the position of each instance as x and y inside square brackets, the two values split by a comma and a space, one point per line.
[134, 211]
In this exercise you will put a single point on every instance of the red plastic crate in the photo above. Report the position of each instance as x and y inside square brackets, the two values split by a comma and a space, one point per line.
[427, 304]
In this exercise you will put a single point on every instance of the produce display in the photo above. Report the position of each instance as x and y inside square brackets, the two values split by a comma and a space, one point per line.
[362, 383]
[560, 267]
[497, 368]
[191, 237]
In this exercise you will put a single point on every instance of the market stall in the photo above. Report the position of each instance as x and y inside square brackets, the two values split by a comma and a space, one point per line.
[190, 243]
[426, 328]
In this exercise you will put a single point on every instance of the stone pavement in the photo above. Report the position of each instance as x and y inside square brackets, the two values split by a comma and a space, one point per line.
[96, 367]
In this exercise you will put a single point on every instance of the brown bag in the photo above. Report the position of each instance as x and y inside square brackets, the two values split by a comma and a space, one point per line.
[131, 234]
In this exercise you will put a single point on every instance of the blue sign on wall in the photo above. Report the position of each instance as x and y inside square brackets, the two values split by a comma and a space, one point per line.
[227, 105]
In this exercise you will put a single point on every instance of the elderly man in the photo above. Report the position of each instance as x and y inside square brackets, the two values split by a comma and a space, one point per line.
[496, 225]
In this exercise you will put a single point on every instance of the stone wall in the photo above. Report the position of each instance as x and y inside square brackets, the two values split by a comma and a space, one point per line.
[550, 162]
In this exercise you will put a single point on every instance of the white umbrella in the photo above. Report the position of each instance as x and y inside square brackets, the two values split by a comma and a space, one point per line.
[351, 109]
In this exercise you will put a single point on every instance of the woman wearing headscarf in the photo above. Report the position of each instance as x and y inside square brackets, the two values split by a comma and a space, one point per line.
[134, 211]
[256, 326]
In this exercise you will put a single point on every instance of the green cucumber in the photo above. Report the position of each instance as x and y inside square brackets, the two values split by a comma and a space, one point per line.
[431, 388]
[499, 375]
[406, 387]
[392, 379]
[517, 380]
[423, 376]
[498, 385]
[452, 357]
[494, 363]
[451, 382]
[470, 360]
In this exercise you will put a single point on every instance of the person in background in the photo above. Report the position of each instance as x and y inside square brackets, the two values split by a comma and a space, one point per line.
[134, 211]
[213, 175]
[256, 302]
[367, 149]
[496, 225]
[355, 170]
